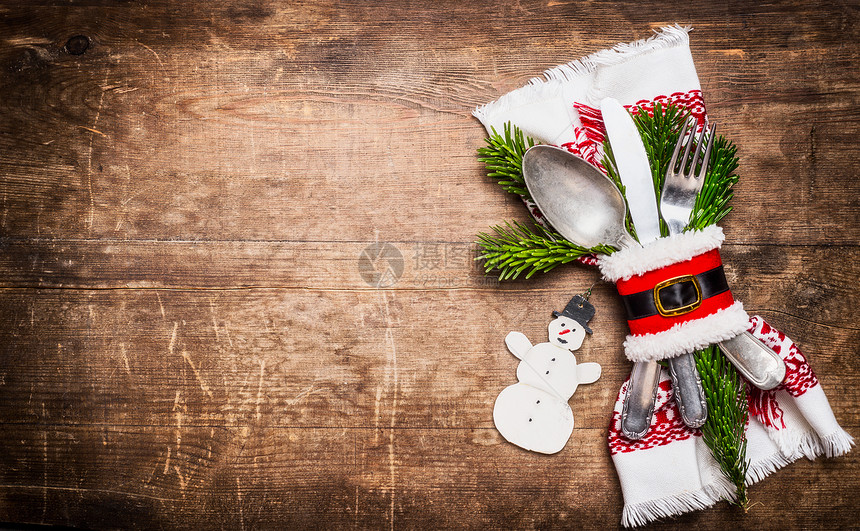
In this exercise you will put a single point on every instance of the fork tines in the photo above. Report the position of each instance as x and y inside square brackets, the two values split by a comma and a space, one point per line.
[689, 128]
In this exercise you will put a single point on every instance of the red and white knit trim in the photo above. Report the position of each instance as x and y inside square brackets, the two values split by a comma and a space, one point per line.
[667, 425]
[591, 134]
[798, 404]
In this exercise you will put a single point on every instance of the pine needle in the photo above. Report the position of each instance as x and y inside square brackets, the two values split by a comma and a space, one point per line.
[503, 158]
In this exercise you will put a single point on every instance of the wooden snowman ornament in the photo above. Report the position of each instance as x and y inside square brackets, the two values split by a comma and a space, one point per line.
[533, 413]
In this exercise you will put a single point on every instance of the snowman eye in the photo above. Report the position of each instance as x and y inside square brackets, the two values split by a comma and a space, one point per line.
[553, 359]
[538, 401]
[547, 372]
[530, 420]
[562, 324]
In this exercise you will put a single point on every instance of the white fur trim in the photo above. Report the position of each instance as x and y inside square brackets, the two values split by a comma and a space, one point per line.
[660, 253]
[686, 337]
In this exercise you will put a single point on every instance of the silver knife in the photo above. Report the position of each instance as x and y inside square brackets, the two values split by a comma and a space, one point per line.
[635, 172]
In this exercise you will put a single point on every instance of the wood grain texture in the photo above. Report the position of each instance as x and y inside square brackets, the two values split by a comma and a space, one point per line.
[186, 189]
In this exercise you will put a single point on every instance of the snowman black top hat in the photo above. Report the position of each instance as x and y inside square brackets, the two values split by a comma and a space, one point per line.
[578, 309]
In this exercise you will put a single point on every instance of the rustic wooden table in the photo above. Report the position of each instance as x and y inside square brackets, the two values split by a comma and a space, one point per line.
[188, 339]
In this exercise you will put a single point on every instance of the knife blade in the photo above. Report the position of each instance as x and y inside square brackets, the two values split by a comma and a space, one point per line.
[634, 169]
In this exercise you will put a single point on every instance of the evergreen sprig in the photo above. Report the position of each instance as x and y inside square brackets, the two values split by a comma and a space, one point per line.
[712, 202]
[724, 430]
[503, 158]
[516, 248]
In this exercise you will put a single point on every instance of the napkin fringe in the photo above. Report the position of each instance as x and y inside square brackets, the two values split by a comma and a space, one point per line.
[638, 514]
[665, 37]
[837, 443]
[550, 84]
[766, 467]
[808, 444]
[794, 443]
[529, 94]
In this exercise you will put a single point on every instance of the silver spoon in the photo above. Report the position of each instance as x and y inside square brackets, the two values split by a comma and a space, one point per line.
[585, 207]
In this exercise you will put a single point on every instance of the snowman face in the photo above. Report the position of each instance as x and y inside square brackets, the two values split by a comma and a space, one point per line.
[566, 333]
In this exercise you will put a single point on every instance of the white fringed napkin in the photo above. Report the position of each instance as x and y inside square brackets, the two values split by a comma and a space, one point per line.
[670, 471]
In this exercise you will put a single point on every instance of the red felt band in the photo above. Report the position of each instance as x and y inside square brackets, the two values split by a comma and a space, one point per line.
[698, 264]
[646, 281]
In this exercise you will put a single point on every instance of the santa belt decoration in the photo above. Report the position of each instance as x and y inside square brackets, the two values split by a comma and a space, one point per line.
[676, 295]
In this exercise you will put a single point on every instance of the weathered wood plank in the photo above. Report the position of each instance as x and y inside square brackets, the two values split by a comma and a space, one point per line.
[188, 149]
[816, 283]
[313, 358]
[373, 479]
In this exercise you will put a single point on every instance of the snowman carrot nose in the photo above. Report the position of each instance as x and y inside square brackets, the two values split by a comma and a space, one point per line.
[563, 332]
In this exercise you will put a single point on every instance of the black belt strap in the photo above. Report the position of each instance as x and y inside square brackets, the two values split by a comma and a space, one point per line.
[642, 304]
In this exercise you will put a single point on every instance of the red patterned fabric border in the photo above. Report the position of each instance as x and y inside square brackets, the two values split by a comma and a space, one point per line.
[592, 133]
[799, 376]
[666, 425]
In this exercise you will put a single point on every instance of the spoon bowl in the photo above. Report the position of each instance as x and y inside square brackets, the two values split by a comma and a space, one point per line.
[581, 203]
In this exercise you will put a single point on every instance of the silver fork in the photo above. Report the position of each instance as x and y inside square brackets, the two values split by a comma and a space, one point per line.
[682, 186]
[758, 363]
[676, 205]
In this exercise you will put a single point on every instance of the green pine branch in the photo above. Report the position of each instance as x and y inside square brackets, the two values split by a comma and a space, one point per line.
[516, 248]
[712, 202]
[724, 431]
[503, 158]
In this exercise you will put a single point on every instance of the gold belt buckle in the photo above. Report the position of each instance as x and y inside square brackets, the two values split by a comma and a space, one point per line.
[683, 309]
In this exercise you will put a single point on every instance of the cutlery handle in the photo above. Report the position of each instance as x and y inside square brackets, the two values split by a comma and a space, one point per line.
[689, 394]
[754, 360]
[641, 397]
